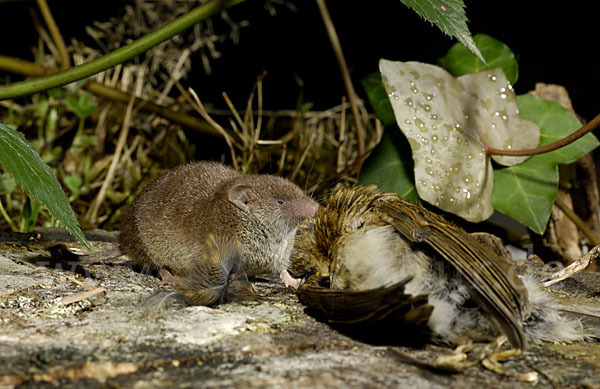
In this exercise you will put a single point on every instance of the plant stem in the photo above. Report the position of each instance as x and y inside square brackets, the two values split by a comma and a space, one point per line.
[235, 113]
[174, 116]
[26, 68]
[118, 56]
[337, 49]
[65, 61]
[589, 234]
[591, 125]
[20, 66]
[110, 175]
[80, 127]
[7, 217]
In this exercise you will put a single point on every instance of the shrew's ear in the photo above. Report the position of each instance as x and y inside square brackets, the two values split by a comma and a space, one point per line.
[239, 196]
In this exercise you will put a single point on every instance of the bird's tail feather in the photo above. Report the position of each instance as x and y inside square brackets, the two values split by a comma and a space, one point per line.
[361, 307]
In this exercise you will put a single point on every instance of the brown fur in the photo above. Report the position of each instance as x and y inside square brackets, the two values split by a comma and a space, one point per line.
[169, 224]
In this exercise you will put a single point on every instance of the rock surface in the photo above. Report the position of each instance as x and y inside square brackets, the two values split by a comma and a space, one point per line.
[117, 337]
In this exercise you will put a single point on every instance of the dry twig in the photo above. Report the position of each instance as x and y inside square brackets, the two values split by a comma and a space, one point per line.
[82, 296]
[576, 267]
[93, 213]
[352, 97]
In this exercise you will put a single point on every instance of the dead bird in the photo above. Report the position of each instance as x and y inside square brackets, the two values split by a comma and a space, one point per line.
[371, 256]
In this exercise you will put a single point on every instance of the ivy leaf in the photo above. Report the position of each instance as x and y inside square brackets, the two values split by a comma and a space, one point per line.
[459, 60]
[557, 123]
[378, 98]
[451, 170]
[390, 166]
[527, 191]
[33, 175]
[449, 16]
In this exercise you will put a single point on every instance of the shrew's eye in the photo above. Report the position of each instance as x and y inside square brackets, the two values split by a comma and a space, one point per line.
[280, 202]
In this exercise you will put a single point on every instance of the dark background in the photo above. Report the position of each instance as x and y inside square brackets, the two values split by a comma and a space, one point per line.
[553, 44]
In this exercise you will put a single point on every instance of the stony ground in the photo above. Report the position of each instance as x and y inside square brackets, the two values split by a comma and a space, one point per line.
[95, 325]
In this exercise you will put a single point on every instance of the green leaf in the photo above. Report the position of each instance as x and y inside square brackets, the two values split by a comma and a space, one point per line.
[42, 108]
[459, 60]
[51, 122]
[390, 166]
[558, 122]
[527, 191]
[33, 175]
[73, 182]
[378, 98]
[56, 93]
[449, 16]
[81, 141]
[7, 183]
[82, 106]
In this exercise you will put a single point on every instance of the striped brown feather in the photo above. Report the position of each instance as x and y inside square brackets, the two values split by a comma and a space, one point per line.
[354, 307]
[499, 289]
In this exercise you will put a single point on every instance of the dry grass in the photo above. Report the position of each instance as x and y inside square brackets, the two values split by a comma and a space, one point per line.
[121, 146]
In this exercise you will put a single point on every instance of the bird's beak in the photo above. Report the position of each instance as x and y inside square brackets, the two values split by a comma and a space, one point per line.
[323, 280]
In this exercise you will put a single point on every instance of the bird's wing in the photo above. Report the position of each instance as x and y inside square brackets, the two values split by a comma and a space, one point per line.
[360, 307]
[500, 290]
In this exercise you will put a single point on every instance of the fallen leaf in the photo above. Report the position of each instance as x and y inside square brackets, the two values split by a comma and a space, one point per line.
[433, 109]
